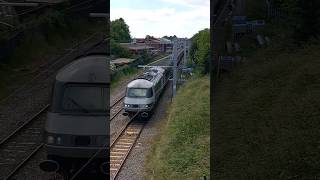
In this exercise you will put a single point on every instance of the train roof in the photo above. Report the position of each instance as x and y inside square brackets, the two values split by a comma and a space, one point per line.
[140, 83]
[148, 78]
[88, 69]
[152, 74]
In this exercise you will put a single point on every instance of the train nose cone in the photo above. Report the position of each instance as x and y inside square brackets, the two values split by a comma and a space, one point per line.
[49, 166]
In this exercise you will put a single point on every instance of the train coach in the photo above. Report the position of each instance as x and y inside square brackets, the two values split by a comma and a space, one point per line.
[143, 93]
[76, 127]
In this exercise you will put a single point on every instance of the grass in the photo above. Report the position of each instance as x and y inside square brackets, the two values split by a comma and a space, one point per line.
[266, 122]
[182, 149]
[122, 76]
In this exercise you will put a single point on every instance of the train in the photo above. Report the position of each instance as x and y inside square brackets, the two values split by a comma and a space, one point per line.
[142, 93]
[77, 126]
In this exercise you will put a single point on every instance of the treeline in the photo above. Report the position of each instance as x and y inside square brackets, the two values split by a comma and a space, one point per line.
[200, 51]
[302, 16]
[119, 33]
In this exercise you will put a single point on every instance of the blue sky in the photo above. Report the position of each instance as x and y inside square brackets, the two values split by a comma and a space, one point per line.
[183, 18]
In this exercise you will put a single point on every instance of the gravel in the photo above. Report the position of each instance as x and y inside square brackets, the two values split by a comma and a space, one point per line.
[133, 168]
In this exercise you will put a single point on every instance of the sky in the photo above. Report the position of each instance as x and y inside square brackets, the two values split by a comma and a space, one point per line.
[158, 18]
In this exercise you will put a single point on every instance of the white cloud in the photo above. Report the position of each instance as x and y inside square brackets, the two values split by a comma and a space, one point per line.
[190, 3]
[165, 21]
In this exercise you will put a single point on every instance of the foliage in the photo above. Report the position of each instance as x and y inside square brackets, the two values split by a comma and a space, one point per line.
[118, 50]
[267, 117]
[182, 150]
[303, 16]
[200, 50]
[171, 38]
[145, 57]
[120, 76]
[119, 31]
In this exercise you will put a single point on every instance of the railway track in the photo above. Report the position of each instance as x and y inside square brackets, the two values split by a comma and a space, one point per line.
[48, 68]
[13, 112]
[22, 142]
[21, 145]
[121, 147]
[116, 108]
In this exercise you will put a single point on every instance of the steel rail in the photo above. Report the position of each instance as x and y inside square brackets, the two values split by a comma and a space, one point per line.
[12, 134]
[58, 60]
[130, 148]
[21, 164]
[92, 157]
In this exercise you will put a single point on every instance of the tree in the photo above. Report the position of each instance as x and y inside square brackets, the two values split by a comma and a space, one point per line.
[303, 16]
[119, 31]
[119, 51]
[200, 49]
[171, 38]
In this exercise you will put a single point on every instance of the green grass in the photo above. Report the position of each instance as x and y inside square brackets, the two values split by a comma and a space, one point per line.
[267, 117]
[182, 149]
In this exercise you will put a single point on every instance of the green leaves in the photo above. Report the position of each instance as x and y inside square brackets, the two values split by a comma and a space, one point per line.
[120, 31]
[303, 16]
[118, 50]
[200, 49]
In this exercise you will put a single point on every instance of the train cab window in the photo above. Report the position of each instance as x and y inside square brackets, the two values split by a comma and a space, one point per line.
[87, 99]
[140, 92]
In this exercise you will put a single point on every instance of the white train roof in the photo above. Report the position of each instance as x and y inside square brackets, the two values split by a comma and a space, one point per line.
[148, 78]
[140, 83]
[88, 69]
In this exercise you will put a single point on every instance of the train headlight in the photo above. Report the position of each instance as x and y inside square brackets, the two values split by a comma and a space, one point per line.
[147, 105]
[127, 105]
[50, 139]
[59, 140]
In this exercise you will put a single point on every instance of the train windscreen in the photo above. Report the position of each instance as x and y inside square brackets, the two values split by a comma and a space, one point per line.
[139, 92]
[87, 99]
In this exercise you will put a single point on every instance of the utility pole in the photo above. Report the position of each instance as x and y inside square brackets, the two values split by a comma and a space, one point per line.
[185, 52]
[175, 62]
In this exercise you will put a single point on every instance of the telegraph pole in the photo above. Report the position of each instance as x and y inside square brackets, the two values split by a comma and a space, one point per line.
[175, 62]
[185, 52]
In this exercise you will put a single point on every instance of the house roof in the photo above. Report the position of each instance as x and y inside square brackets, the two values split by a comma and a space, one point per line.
[136, 46]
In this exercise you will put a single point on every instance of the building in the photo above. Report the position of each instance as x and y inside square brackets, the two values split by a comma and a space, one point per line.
[137, 48]
[156, 44]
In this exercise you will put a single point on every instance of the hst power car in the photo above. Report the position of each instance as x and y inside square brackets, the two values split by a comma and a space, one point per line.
[76, 128]
[143, 93]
